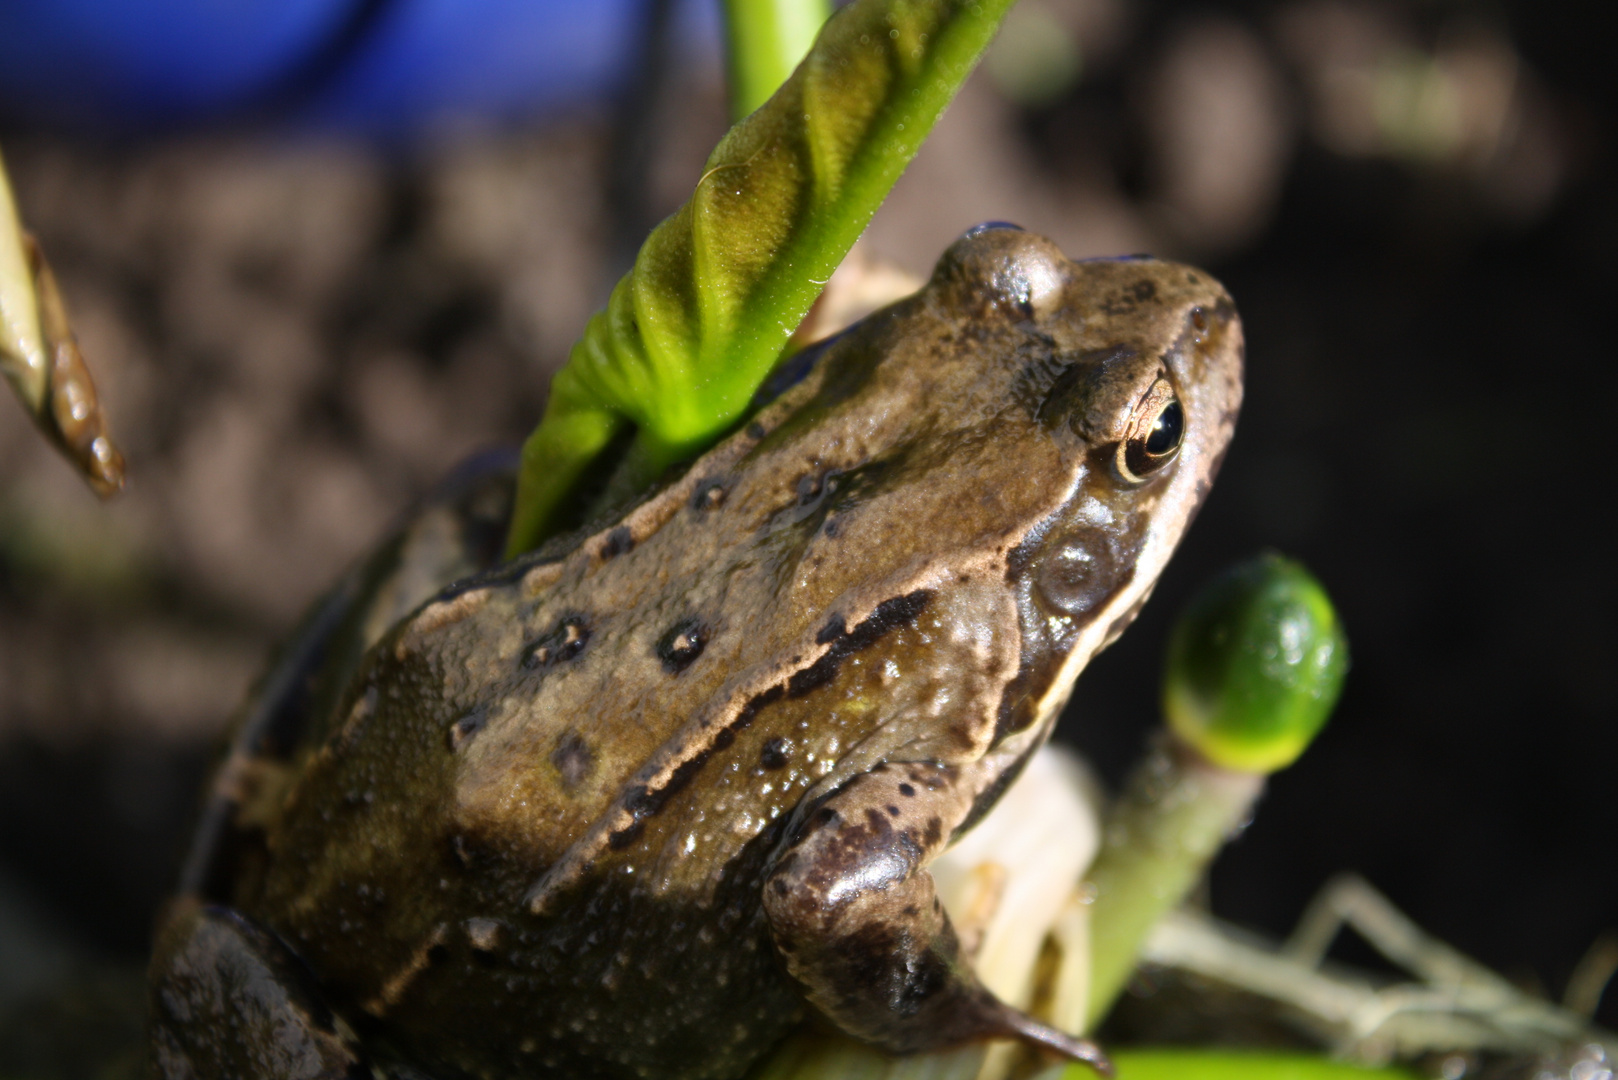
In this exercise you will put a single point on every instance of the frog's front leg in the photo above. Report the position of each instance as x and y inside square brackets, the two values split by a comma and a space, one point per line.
[227, 998]
[856, 919]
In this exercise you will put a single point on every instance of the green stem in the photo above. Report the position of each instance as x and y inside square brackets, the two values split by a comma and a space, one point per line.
[1254, 667]
[764, 41]
[564, 445]
[1173, 816]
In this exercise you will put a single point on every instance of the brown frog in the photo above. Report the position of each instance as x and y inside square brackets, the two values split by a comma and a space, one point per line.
[629, 806]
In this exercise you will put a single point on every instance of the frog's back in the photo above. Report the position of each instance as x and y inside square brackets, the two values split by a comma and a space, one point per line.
[561, 783]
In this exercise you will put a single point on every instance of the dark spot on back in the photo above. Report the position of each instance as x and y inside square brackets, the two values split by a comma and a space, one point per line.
[467, 726]
[893, 811]
[906, 790]
[709, 495]
[626, 836]
[618, 542]
[573, 758]
[681, 644]
[566, 641]
[835, 627]
[637, 798]
[775, 754]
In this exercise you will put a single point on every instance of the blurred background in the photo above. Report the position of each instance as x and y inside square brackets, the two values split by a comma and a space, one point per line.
[317, 252]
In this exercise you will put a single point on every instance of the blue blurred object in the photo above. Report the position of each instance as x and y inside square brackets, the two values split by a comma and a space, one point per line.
[438, 58]
[131, 67]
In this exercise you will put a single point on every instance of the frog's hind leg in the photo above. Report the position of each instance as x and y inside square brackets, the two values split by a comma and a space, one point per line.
[856, 919]
[228, 999]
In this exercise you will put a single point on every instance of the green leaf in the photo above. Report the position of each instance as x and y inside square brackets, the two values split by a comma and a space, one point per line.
[692, 330]
[764, 41]
[1194, 1064]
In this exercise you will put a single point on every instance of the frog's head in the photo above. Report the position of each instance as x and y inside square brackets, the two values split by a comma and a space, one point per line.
[1139, 385]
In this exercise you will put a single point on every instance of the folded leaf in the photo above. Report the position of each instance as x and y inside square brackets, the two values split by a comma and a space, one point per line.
[692, 330]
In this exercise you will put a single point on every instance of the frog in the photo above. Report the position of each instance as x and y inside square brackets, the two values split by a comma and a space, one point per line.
[641, 802]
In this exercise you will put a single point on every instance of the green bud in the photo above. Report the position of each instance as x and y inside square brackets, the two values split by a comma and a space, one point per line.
[1255, 666]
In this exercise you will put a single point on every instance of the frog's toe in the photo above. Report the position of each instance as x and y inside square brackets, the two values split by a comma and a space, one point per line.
[1022, 1026]
[227, 998]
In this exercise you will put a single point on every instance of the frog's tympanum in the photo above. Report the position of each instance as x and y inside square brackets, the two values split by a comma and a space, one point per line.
[632, 805]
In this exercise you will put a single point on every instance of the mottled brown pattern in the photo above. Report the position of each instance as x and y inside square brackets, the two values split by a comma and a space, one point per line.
[892, 574]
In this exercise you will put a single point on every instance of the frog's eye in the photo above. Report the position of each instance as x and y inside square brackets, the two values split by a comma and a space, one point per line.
[1154, 434]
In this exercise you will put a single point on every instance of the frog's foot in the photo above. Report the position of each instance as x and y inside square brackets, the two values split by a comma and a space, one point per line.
[856, 919]
[227, 998]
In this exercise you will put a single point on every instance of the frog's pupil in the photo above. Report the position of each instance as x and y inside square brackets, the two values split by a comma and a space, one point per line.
[1166, 431]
